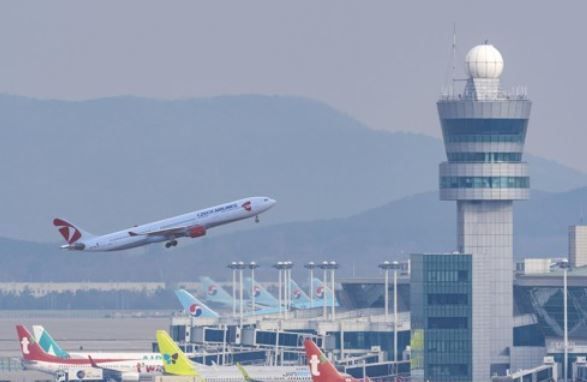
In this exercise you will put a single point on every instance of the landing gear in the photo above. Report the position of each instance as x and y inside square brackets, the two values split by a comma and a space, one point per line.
[171, 243]
[257, 219]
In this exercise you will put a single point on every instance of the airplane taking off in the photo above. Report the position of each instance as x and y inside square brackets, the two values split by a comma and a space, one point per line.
[193, 224]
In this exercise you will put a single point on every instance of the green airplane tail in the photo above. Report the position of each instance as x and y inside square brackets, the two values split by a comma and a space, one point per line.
[175, 362]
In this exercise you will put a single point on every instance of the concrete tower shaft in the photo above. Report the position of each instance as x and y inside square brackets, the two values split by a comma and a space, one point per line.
[484, 131]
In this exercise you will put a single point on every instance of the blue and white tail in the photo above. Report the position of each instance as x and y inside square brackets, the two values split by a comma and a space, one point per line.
[299, 298]
[323, 294]
[193, 306]
[262, 297]
[213, 293]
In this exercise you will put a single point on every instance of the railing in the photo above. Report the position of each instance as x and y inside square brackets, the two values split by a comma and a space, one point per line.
[10, 364]
[519, 93]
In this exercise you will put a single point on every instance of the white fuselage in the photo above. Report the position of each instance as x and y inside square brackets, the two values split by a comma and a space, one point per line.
[182, 224]
[151, 357]
[257, 373]
[125, 368]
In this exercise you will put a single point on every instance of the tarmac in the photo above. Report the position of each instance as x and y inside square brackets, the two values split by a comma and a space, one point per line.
[75, 330]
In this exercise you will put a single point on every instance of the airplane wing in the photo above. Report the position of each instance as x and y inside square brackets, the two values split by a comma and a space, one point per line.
[191, 231]
[118, 374]
[163, 232]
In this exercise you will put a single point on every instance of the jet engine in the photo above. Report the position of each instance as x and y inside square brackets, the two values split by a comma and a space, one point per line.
[130, 377]
[197, 231]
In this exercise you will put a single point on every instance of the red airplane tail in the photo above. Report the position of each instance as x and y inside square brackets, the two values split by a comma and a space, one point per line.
[30, 349]
[69, 231]
[321, 369]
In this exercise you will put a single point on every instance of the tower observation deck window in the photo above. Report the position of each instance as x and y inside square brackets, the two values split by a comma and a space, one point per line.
[490, 126]
[489, 138]
[484, 182]
[484, 157]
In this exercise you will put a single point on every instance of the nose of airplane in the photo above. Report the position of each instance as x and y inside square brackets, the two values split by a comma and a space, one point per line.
[264, 203]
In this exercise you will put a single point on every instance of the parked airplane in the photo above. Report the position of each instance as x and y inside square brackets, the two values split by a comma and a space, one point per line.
[196, 308]
[193, 306]
[262, 296]
[214, 293]
[323, 293]
[50, 346]
[321, 369]
[176, 363]
[193, 224]
[299, 298]
[34, 358]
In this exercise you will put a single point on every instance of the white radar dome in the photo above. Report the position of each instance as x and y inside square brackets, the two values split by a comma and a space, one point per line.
[484, 61]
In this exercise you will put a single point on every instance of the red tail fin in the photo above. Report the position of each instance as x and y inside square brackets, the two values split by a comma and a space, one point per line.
[69, 232]
[30, 349]
[321, 369]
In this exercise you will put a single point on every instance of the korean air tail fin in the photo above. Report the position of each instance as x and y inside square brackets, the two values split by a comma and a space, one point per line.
[70, 232]
[193, 306]
[262, 296]
[299, 298]
[175, 362]
[323, 294]
[47, 343]
[212, 292]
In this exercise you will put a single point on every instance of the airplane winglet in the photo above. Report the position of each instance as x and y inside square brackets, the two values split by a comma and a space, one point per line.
[92, 362]
[245, 374]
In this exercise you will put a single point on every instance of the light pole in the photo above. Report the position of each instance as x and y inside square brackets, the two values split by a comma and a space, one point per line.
[333, 267]
[252, 266]
[310, 267]
[279, 266]
[240, 267]
[286, 285]
[233, 266]
[395, 267]
[386, 266]
[324, 266]
[564, 264]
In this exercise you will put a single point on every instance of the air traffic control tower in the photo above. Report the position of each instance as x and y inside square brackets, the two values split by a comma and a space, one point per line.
[484, 129]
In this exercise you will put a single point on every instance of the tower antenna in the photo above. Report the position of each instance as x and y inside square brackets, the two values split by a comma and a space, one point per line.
[454, 56]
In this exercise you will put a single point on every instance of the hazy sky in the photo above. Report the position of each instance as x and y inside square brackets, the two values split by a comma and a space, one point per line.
[383, 62]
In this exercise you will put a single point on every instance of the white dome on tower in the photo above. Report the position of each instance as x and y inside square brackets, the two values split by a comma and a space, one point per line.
[484, 61]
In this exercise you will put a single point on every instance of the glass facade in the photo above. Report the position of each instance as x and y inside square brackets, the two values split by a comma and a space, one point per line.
[484, 126]
[484, 182]
[484, 157]
[441, 317]
[495, 138]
